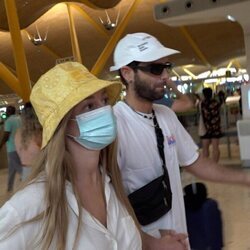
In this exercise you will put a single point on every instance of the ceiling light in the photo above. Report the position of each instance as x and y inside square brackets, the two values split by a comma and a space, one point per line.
[108, 24]
[37, 39]
[231, 18]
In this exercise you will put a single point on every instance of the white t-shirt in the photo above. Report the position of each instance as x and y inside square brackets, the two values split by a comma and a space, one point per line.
[140, 163]
[120, 234]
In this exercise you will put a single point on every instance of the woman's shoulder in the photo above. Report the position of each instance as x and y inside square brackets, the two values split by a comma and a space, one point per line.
[27, 202]
[23, 206]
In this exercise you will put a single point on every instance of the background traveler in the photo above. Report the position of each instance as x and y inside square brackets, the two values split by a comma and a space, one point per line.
[28, 139]
[210, 112]
[11, 124]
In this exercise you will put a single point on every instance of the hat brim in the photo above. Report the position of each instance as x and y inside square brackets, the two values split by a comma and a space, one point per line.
[80, 94]
[156, 55]
[149, 57]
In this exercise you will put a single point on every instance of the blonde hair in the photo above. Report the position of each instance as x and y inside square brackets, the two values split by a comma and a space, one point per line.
[54, 162]
[115, 174]
[55, 167]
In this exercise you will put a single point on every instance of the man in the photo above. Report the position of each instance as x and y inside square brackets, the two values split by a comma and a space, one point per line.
[144, 68]
[12, 123]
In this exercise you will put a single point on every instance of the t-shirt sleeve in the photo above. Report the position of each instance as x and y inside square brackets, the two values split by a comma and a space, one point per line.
[8, 220]
[7, 126]
[187, 150]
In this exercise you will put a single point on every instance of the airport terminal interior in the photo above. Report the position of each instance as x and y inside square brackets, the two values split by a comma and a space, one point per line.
[213, 38]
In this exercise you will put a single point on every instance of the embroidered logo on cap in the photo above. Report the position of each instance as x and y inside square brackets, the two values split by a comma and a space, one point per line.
[144, 45]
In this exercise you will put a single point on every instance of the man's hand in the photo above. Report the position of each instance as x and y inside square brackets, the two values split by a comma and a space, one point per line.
[182, 103]
[173, 242]
[170, 241]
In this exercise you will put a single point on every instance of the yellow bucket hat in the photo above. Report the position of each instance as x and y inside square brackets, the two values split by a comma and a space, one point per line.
[61, 88]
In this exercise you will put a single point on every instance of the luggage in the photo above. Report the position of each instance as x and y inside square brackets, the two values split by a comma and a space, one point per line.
[204, 221]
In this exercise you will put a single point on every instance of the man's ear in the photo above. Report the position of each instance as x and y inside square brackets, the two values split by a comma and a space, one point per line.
[127, 73]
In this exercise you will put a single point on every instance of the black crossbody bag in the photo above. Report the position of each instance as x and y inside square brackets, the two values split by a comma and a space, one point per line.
[153, 200]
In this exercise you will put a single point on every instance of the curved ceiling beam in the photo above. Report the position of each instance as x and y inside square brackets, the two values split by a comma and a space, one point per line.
[38, 8]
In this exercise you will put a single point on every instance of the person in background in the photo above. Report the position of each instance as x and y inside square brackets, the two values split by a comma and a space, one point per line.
[28, 139]
[196, 102]
[152, 143]
[74, 197]
[221, 97]
[210, 111]
[11, 124]
[240, 100]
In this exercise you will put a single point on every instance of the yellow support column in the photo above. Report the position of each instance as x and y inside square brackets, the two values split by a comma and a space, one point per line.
[237, 64]
[10, 79]
[73, 36]
[194, 46]
[98, 26]
[19, 54]
[101, 61]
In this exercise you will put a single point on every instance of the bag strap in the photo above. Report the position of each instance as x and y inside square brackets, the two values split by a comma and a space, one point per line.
[160, 146]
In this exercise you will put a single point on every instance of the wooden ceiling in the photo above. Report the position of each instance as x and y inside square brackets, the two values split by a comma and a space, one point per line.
[202, 47]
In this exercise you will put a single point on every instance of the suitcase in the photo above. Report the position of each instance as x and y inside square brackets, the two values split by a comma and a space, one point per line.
[204, 223]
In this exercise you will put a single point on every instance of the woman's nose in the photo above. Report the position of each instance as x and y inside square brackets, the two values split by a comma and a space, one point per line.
[100, 103]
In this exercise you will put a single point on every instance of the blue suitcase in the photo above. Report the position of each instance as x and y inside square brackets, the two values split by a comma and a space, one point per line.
[204, 221]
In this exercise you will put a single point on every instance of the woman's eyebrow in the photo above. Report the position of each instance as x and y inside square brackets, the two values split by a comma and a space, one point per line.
[89, 98]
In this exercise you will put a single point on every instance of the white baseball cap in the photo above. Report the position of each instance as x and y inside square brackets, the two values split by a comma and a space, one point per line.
[140, 47]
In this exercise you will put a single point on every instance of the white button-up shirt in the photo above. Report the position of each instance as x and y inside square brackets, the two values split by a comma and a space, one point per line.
[120, 234]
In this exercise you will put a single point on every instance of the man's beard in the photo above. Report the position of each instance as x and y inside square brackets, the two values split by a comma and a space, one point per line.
[144, 91]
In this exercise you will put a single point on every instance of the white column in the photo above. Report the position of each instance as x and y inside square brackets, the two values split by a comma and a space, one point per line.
[247, 48]
[245, 23]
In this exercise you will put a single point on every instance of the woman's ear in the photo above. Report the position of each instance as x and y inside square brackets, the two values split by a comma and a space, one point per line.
[127, 73]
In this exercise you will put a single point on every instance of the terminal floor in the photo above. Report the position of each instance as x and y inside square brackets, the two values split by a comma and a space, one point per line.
[234, 201]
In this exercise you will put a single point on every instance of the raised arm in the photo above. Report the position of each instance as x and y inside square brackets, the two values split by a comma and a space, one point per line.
[182, 102]
[207, 169]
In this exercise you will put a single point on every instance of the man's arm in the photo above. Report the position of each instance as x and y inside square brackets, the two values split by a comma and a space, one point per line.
[182, 102]
[208, 170]
[5, 138]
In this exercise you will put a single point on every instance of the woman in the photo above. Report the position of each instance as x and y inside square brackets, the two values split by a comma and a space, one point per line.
[69, 201]
[210, 111]
[28, 139]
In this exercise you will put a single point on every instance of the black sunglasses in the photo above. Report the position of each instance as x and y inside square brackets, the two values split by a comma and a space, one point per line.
[155, 68]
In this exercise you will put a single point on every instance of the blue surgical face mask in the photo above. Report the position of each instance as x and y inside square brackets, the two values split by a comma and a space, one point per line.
[97, 128]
